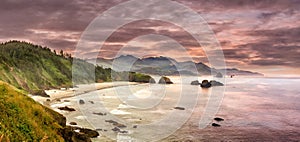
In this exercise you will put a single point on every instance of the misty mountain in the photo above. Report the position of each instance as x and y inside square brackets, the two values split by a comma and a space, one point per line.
[164, 66]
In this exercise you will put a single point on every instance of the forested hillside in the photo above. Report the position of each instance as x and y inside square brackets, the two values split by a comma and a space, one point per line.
[31, 67]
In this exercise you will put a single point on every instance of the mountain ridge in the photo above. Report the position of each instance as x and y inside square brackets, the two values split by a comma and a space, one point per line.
[165, 66]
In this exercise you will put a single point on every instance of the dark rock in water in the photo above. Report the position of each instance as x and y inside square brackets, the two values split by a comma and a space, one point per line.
[215, 125]
[218, 119]
[66, 108]
[152, 80]
[219, 75]
[165, 80]
[216, 83]
[115, 123]
[100, 113]
[73, 123]
[179, 108]
[116, 129]
[205, 84]
[81, 102]
[41, 93]
[196, 82]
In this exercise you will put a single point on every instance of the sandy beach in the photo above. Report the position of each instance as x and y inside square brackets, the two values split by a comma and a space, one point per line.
[253, 109]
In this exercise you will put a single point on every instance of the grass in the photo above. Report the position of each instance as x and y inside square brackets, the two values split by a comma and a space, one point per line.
[22, 119]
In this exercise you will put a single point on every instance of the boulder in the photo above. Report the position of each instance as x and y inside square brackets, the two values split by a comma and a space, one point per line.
[165, 80]
[66, 108]
[205, 84]
[215, 125]
[179, 108]
[81, 102]
[218, 119]
[73, 123]
[196, 82]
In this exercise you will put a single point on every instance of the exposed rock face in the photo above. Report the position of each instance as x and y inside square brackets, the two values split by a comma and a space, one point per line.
[196, 82]
[205, 84]
[66, 108]
[165, 80]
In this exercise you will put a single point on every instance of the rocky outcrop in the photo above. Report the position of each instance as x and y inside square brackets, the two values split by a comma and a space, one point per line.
[165, 80]
[152, 81]
[196, 82]
[206, 84]
[66, 108]
[82, 135]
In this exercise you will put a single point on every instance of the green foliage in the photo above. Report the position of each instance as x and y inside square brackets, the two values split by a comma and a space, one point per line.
[22, 119]
[32, 67]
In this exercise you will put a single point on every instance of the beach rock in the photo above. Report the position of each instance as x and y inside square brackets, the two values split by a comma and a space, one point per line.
[218, 119]
[179, 108]
[48, 100]
[81, 102]
[152, 81]
[66, 100]
[196, 82]
[92, 102]
[205, 84]
[165, 80]
[73, 123]
[68, 133]
[216, 83]
[66, 108]
[134, 126]
[115, 123]
[219, 75]
[215, 125]
[89, 132]
[99, 113]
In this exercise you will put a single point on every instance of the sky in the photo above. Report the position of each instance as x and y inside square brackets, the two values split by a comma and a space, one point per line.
[255, 35]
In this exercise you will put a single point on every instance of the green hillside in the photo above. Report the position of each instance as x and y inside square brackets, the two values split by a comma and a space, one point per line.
[32, 68]
[22, 119]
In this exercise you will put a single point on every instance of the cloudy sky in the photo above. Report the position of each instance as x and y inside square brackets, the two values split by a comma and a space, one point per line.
[256, 35]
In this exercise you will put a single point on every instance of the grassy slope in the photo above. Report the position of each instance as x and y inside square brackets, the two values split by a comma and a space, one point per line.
[22, 119]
